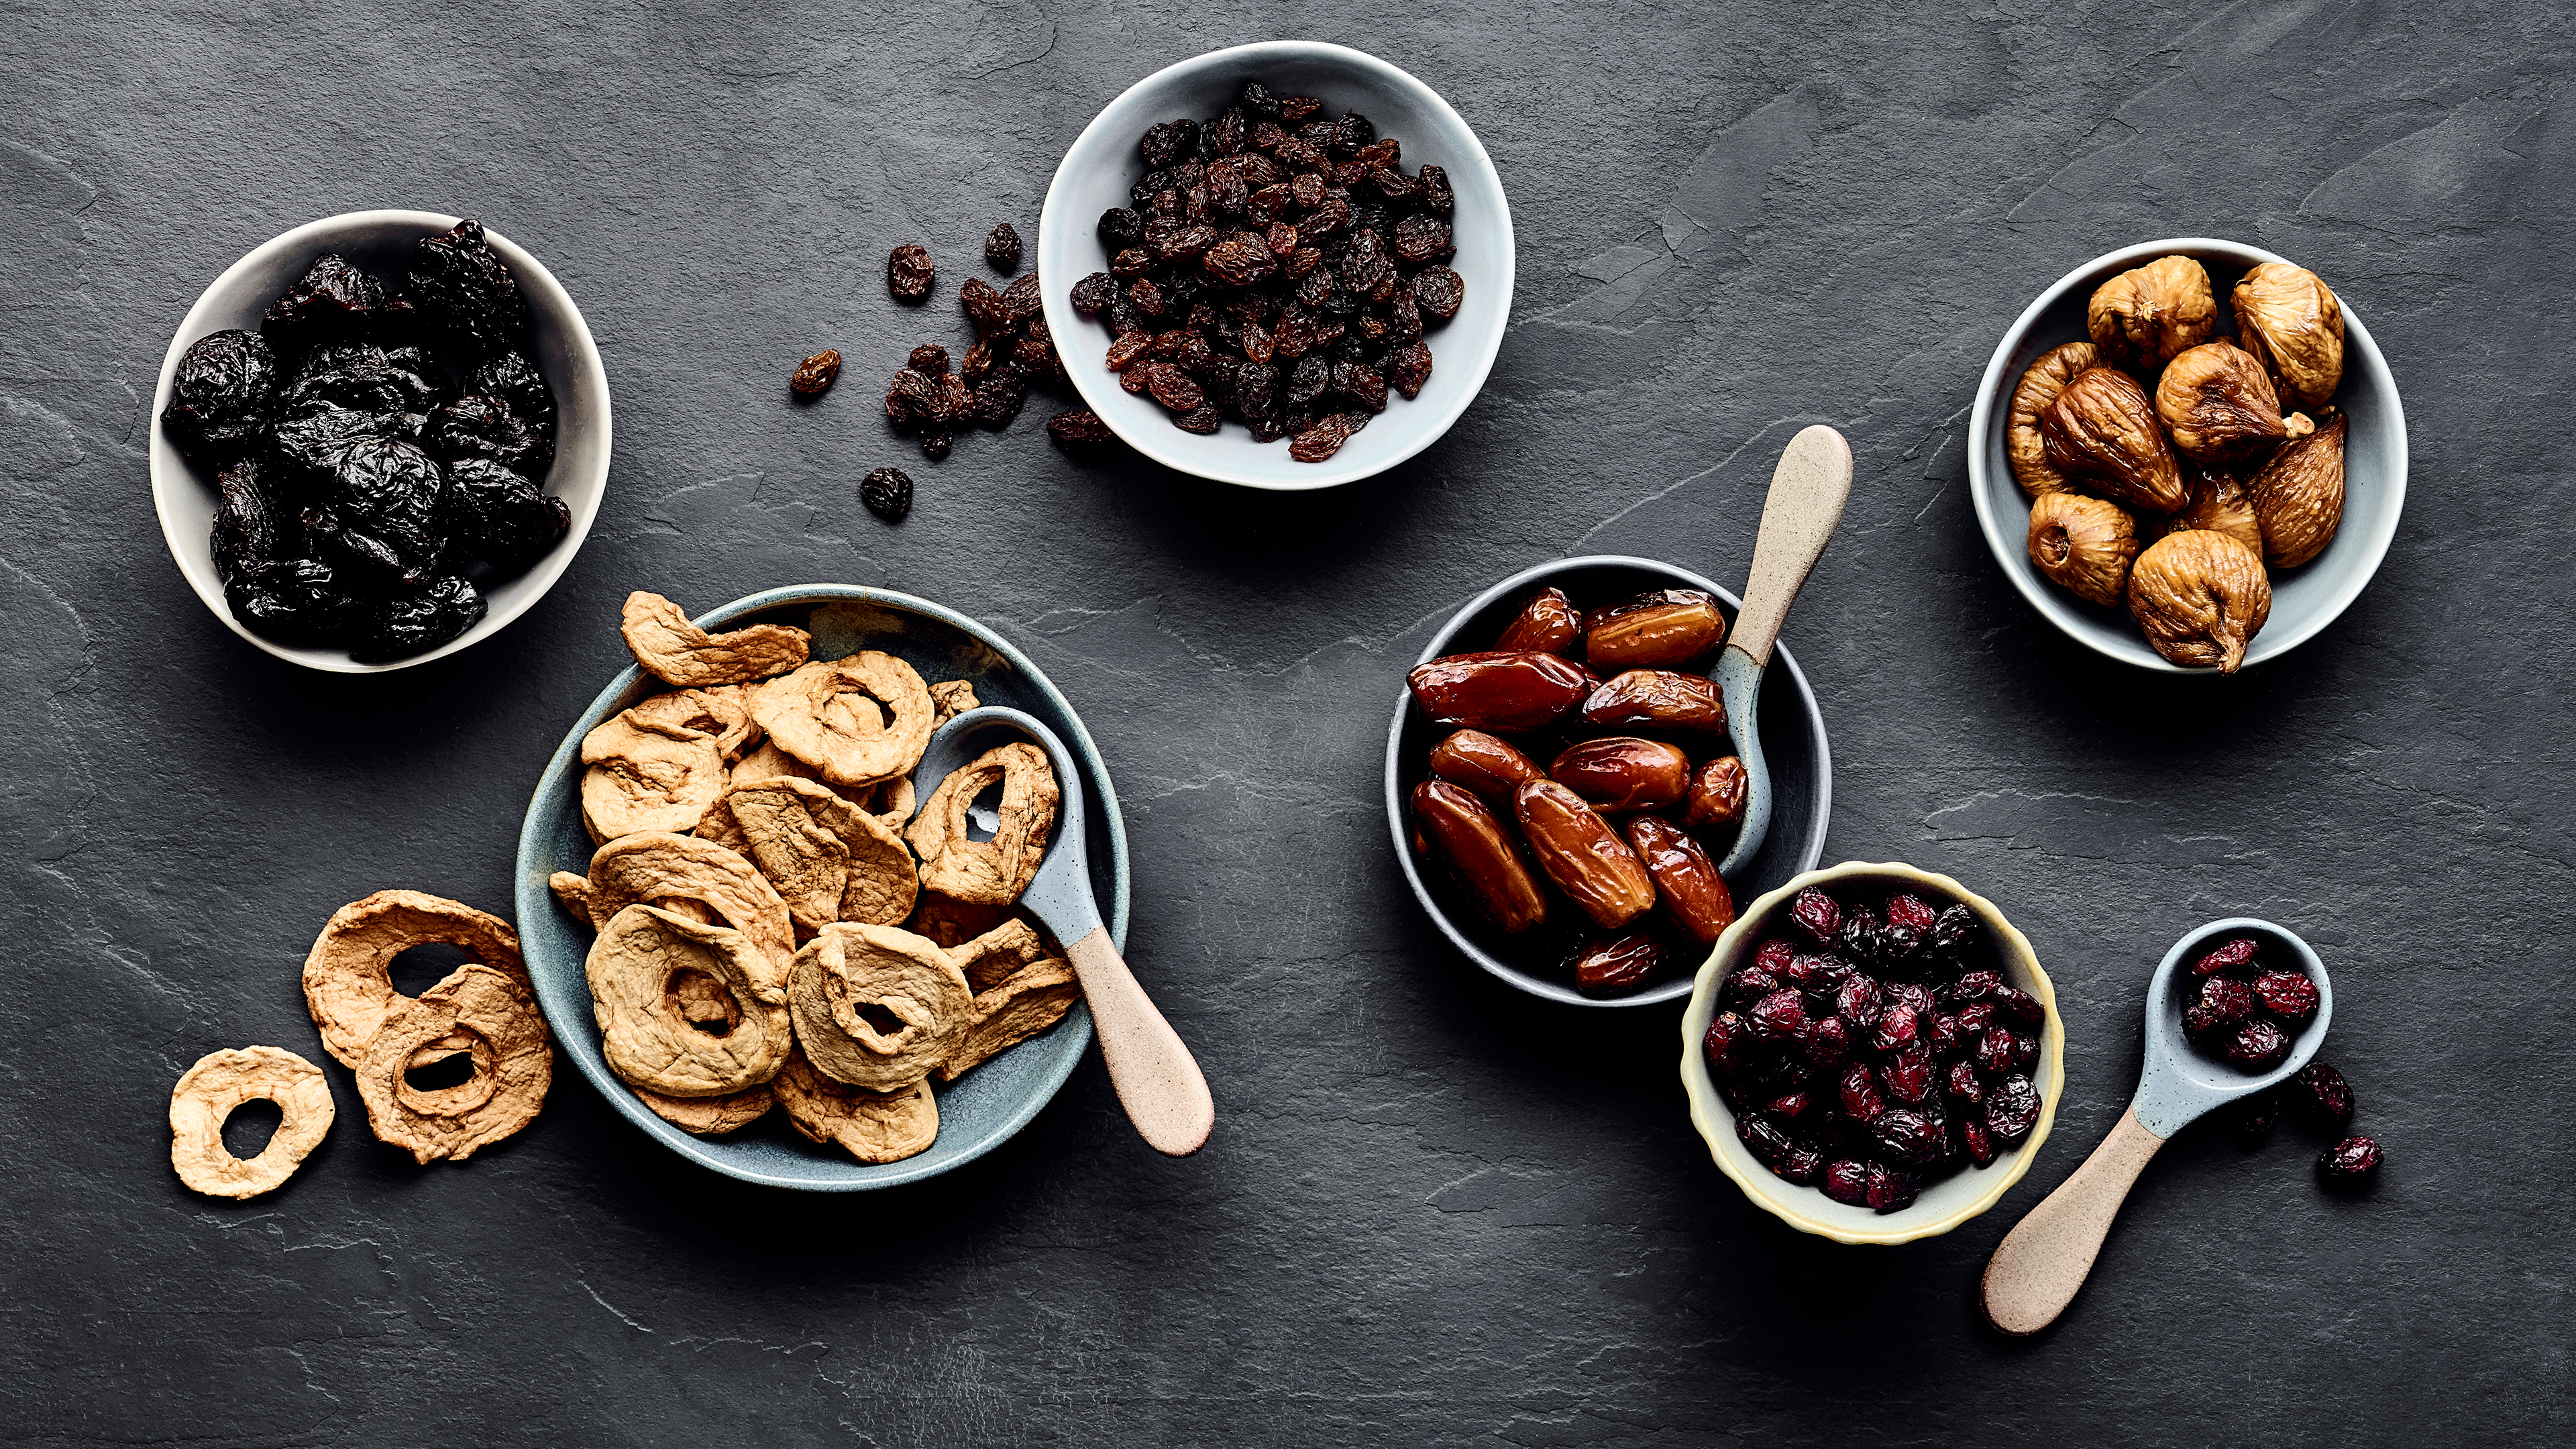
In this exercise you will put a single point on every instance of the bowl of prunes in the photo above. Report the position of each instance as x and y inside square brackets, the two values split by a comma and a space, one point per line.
[378, 438]
[1873, 1053]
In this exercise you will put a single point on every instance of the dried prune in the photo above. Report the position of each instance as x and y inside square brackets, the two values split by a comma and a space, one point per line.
[909, 273]
[297, 601]
[2349, 1163]
[515, 380]
[462, 282]
[383, 504]
[887, 492]
[223, 396]
[332, 302]
[1081, 428]
[1002, 248]
[501, 516]
[2324, 1097]
[417, 620]
[486, 427]
[249, 529]
[306, 443]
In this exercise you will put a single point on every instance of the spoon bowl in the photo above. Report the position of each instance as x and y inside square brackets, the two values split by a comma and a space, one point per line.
[2180, 1083]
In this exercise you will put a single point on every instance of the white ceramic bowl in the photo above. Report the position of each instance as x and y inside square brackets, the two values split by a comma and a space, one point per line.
[2305, 599]
[1943, 1205]
[380, 242]
[1104, 162]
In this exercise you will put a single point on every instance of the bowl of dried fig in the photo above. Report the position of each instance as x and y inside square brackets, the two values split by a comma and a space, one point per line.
[2188, 455]
[1283, 265]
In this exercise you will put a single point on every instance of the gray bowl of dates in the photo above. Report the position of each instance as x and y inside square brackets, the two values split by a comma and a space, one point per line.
[1560, 782]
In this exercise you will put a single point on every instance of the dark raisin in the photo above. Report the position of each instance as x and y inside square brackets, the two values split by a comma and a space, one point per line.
[1324, 438]
[2228, 957]
[1437, 198]
[984, 306]
[1093, 292]
[2289, 995]
[1351, 133]
[2324, 1097]
[929, 359]
[1120, 228]
[1203, 420]
[1145, 297]
[2349, 1163]
[818, 372]
[2012, 1109]
[1173, 387]
[1170, 143]
[2254, 1116]
[1132, 262]
[935, 443]
[1401, 192]
[1002, 248]
[997, 400]
[223, 395]
[1021, 301]
[1408, 368]
[1308, 379]
[2257, 1046]
[909, 274]
[1361, 386]
[887, 492]
[1129, 349]
[1081, 428]
[1240, 263]
[911, 399]
[1439, 292]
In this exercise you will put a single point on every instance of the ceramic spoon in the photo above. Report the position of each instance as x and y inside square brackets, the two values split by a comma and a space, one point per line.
[2044, 1260]
[1157, 1080]
[1808, 490]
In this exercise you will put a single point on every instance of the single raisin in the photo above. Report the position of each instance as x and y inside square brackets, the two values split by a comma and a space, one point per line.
[1173, 387]
[815, 374]
[909, 274]
[1170, 143]
[997, 400]
[2324, 1097]
[1092, 293]
[1408, 368]
[1202, 420]
[1021, 301]
[1439, 292]
[1437, 198]
[984, 306]
[929, 359]
[1081, 428]
[1002, 248]
[887, 492]
[935, 443]
[1120, 228]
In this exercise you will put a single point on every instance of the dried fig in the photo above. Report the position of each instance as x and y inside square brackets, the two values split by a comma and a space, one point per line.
[2143, 317]
[2221, 504]
[2218, 404]
[2040, 385]
[2102, 428]
[2298, 497]
[2083, 544]
[2288, 318]
[2201, 597]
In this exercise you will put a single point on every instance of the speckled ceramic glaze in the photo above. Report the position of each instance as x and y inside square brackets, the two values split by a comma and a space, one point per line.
[977, 1112]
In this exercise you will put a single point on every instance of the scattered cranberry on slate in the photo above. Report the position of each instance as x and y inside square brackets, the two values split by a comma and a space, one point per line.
[2349, 1163]
[2324, 1096]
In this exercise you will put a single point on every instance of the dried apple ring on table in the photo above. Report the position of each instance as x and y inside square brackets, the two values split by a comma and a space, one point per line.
[856, 720]
[877, 1007]
[347, 982]
[675, 651]
[652, 974]
[644, 774]
[829, 860]
[662, 869]
[995, 871]
[208, 1092]
[710, 1116]
[504, 1034]
[723, 712]
[871, 1126]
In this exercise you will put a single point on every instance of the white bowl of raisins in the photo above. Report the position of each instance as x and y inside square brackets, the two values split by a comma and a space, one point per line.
[1283, 265]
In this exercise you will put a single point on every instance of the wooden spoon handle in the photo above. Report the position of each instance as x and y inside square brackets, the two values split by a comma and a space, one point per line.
[1808, 491]
[1157, 1079]
[2044, 1259]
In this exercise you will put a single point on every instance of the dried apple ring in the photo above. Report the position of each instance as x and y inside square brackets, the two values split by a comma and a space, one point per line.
[953, 697]
[856, 720]
[505, 1035]
[347, 985]
[666, 870]
[710, 1116]
[988, 872]
[829, 860]
[1018, 1007]
[722, 712]
[871, 1126]
[649, 973]
[877, 1007]
[675, 651]
[998, 954]
[889, 801]
[208, 1092]
[646, 774]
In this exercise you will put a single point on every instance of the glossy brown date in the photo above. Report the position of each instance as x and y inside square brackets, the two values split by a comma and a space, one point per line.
[1478, 848]
[1581, 853]
[1692, 895]
[1622, 963]
[1716, 794]
[1547, 624]
[1621, 773]
[1664, 627]
[1501, 689]
[1491, 767]
[1658, 699]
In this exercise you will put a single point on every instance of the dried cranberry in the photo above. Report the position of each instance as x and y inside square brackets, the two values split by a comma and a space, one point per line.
[1953, 932]
[1726, 1031]
[2227, 999]
[2226, 958]
[1864, 935]
[1908, 1074]
[1994, 1051]
[1787, 1107]
[2288, 995]
[1846, 1181]
[1826, 1043]
[1896, 1027]
[1800, 1165]
[1979, 1142]
[1748, 984]
[1773, 955]
[1889, 1189]
[1965, 1086]
[1910, 912]
[1859, 1094]
[2258, 1045]
[2255, 1115]
[1906, 1136]
[2012, 1109]
[2019, 1007]
[1780, 1015]
[2199, 1022]
[2350, 1162]
[1913, 996]
[1761, 1138]
[1944, 1036]
[1818, 913]
[2324, 1096]
[2025, 1052]
[1976, 1019]
[1976, 986]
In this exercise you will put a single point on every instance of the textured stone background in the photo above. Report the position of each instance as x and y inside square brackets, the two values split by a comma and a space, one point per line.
[1434, 1212]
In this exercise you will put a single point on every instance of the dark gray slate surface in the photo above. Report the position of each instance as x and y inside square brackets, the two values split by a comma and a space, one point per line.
[1433, 1213]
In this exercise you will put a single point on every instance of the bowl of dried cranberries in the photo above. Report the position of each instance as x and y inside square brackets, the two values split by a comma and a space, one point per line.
[1283, 265]
[1873, 1053]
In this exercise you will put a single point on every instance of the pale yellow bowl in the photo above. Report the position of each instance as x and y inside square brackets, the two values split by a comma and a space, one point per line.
[1945, 1204]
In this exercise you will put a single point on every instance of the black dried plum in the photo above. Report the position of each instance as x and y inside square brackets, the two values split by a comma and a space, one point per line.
[416, 621]
[249, 528]
[462, 282]
[501, 516]
[382, 510]
[480, 426]
[223, 395]
[306, 444]
[515, 380]
[887, 492]
[333, 302]
[298, 601]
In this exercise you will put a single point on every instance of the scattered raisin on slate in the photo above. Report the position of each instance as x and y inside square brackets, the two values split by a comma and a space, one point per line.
[887, 492]
[929, 359]
[815, 374]
[1081, 428]
[909, 274]
[1002, 248]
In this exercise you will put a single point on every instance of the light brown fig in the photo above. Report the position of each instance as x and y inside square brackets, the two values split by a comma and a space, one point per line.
[2200, 597]
[2218, 503]
[2040, 385]
[2103, 430]
[2298, 497]
[2218, 404]
[2083, 544]
[2145, 316]
[2289, 319]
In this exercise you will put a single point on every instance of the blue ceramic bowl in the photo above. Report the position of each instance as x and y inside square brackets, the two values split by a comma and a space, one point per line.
[977, 1112]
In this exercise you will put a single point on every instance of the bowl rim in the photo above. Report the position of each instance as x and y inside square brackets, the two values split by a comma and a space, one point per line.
[1820, 818]
[2007, 537]
[1716, 1123]
[1062, 321]
[531, 895]
[319, 235]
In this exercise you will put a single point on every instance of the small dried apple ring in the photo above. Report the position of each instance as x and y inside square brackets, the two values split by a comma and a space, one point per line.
[680, 873]
[856, 720]
[347, 985]
[988, 872]
[649, 972]
[710, 1116]
[513, 1066]
[871, 1126]
[829, 860]
[675, 651]
[877, 1007]
[721, 711]
[208, 1092]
